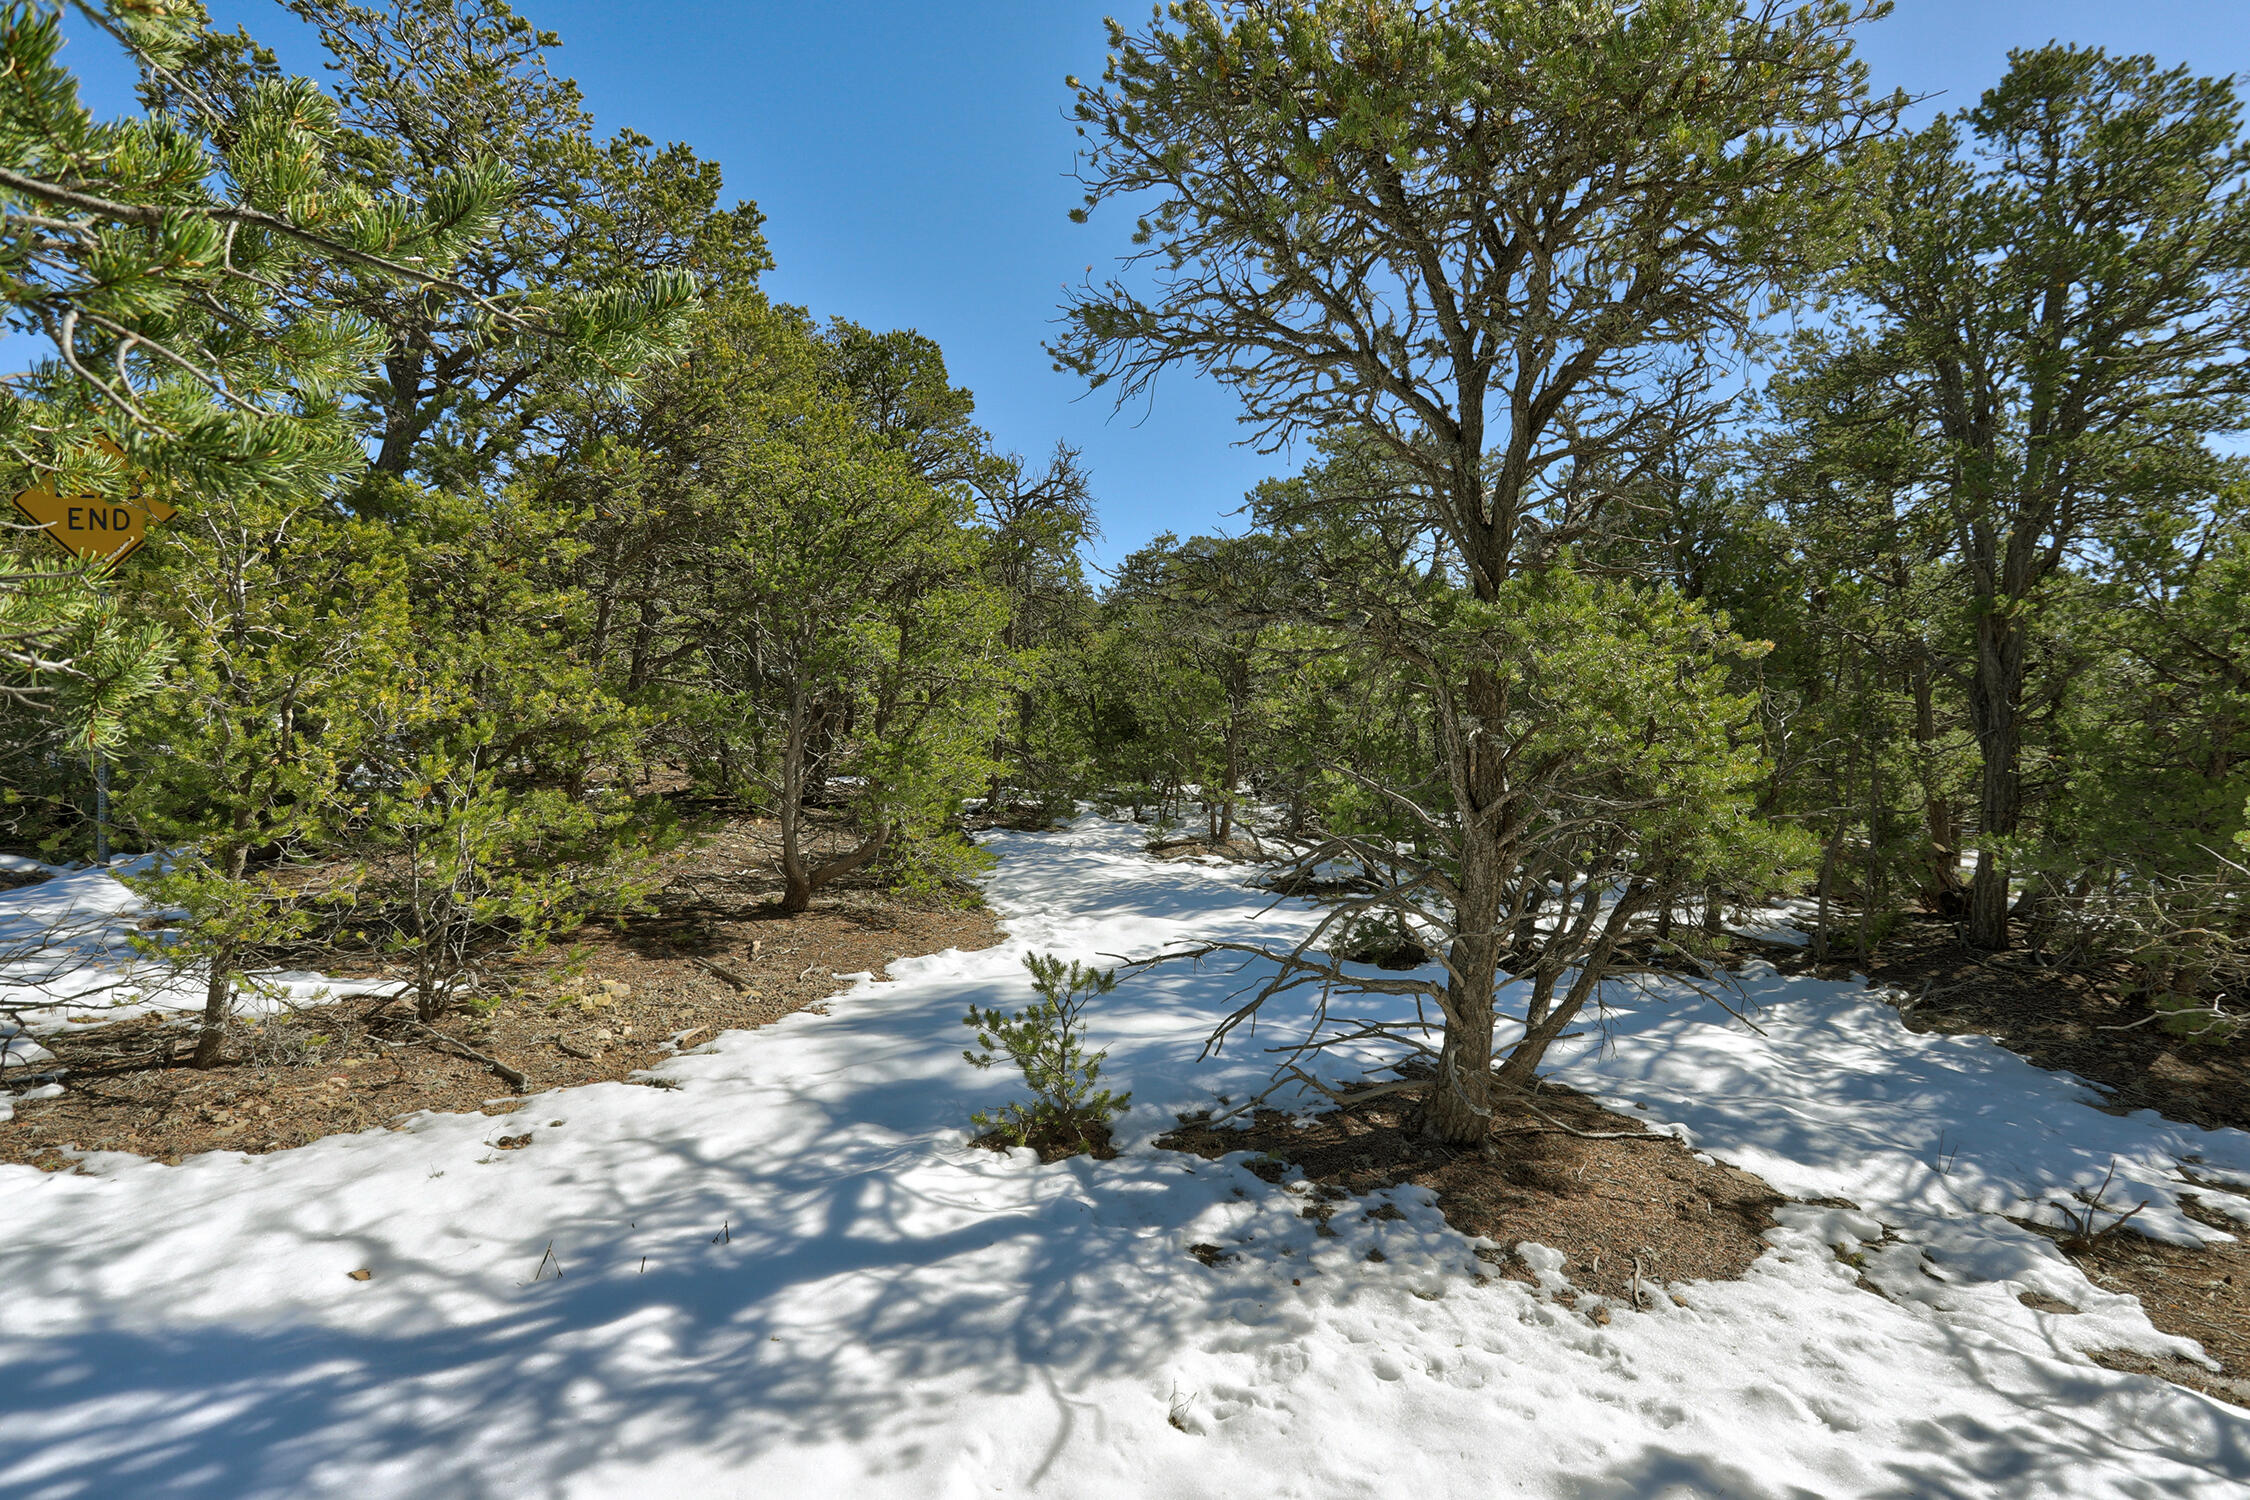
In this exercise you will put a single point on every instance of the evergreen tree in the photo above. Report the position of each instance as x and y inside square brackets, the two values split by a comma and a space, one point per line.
[2046, 334]
[584, 274]
[1500, 238]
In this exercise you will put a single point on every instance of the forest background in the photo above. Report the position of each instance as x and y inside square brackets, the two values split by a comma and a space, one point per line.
[518, 529]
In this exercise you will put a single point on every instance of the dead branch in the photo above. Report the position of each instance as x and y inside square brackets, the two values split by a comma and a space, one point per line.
[722, 971]
[2083, 1236]
[1554, 1125]
[517, 1079]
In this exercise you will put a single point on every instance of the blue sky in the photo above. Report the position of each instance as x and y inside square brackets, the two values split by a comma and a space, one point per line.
[913, 160]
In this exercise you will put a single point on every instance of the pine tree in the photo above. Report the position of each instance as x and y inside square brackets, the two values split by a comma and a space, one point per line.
[2045, 332]
[1501, 239]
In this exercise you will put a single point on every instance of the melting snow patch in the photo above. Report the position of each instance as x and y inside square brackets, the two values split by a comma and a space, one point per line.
[790, 1274]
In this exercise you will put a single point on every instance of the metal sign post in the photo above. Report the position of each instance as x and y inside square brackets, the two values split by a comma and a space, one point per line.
[101, 807]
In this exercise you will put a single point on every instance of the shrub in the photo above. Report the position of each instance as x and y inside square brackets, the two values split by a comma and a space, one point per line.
[1068, 1111]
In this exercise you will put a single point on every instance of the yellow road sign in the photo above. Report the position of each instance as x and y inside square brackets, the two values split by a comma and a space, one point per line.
[103, 532]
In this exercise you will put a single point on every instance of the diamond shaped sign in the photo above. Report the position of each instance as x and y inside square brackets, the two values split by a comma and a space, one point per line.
[102, 532]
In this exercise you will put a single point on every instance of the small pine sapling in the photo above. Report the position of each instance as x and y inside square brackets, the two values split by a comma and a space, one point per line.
[1069, 1111]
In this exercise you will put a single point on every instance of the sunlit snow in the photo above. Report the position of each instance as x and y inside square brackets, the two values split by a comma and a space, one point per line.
[792, 1275]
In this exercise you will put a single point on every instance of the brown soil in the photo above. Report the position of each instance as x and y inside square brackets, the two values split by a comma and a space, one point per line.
[2199, 1294]
[2055, 1016]
[629, 997]
[1057, 1144]
[1602, 1202]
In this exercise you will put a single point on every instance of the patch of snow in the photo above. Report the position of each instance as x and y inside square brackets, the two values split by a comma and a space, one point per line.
[68, 957]
[1777, 924]
[1832, 1097]
[792, 1275]
[24, 864]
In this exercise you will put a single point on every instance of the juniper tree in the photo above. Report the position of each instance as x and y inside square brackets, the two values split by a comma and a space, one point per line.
[180, 265]
[1037, 520]
[1208, 604]
[290, 618]
[826, 631]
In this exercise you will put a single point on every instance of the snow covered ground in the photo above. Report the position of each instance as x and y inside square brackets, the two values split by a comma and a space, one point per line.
[791, 1275]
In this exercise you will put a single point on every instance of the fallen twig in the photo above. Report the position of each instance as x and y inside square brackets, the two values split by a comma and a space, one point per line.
[517, 1079]
[2154, 1015]
[1554, 1124]
[2083, 1235]
[723, 972]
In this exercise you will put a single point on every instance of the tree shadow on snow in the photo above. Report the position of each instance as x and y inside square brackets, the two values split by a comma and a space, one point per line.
[831, 1326]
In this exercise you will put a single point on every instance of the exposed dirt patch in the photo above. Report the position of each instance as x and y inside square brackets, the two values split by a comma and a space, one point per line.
[2202, 1294]
[1056, 1145]
[2178, 1371]
[1602, 1202]
[2055, 1017]
[717, 955]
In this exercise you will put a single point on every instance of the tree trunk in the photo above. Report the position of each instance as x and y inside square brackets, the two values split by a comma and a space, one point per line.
[1874, 870]
[800, 882]
[219, 991]
[797, 888]
[796, 895]
[1995, 696]
[1942, 888]
[1233, 774]
[1459, 1110]
[1823, 891]
[212, 1038]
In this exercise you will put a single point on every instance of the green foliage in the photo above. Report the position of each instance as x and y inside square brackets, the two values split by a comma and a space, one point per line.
[85, 665]
[2152, 739]
[816, 624]
[288, 618]
[1068, 1111]
[1193, 627]
[497, 485]
[1350, 208]
[585, 271]
[460, 868]
[2037, 342]
[158, 258]
[235, 914]
[1488, 253]
[2196, 1020]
